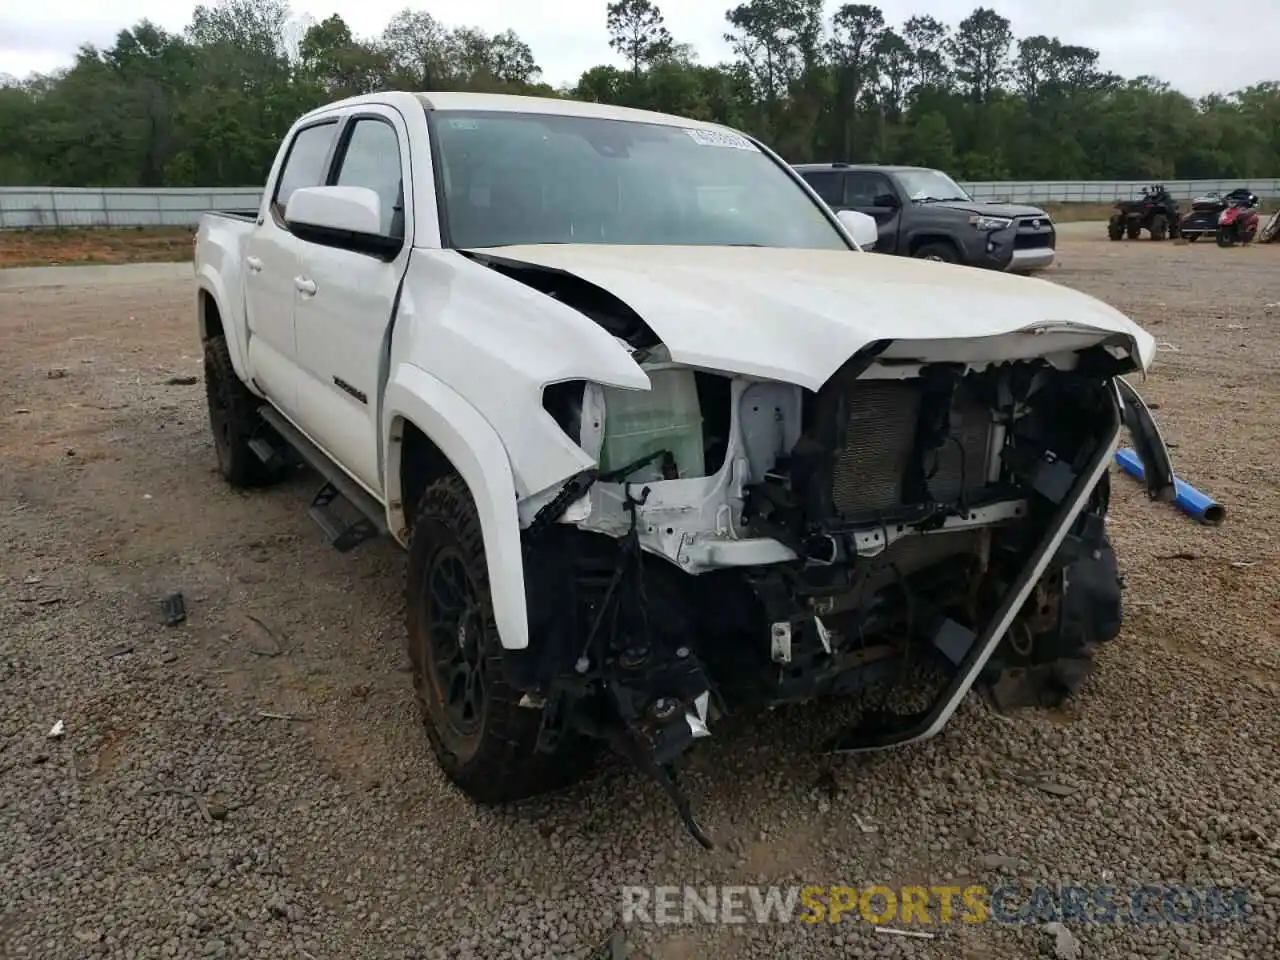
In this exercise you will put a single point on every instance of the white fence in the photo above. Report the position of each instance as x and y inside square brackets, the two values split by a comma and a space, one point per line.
[117, 207]
[1108, 191]
[32, 207]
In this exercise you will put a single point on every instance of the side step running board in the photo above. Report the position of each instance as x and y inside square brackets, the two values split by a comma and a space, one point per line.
[339, 490]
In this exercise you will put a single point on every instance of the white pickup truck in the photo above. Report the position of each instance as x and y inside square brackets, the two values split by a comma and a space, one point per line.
[660, 440]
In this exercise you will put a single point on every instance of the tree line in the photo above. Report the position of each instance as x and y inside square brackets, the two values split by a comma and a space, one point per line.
[208, 106]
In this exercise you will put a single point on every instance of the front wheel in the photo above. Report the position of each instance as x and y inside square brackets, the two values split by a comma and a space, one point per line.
[1226, 236]
[940, 252]
[484, 741]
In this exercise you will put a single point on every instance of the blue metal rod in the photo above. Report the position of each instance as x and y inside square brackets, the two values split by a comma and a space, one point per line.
[1189, 500]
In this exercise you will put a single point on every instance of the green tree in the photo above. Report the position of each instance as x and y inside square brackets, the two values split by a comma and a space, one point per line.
[638, 33]
[209, 105]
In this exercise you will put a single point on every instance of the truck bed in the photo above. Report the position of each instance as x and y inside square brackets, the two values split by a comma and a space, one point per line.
[249, 215]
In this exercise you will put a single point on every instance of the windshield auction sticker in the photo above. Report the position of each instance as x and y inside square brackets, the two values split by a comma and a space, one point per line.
[718, 138]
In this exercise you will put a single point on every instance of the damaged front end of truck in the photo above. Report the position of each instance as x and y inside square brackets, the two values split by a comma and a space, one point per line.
[745, 543]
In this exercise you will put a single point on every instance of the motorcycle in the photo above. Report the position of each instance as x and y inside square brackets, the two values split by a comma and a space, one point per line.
[1238, 223]
[1205, 211]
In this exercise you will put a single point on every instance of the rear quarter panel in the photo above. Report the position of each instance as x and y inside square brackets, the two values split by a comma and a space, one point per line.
[219, 270]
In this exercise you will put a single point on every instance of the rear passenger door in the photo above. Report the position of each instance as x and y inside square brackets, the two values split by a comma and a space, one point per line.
[829, 185]
[873, 193]
[344, 316]
[271, 268]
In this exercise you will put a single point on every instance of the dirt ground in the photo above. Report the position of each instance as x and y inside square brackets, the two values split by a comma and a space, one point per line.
[42, 248]
[254, 781]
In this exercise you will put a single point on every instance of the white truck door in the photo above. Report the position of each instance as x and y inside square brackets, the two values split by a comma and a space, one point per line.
[343, 322]
[271, 268]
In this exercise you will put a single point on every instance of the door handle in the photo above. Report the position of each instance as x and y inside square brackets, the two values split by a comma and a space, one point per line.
[254, 264]
[305, 287]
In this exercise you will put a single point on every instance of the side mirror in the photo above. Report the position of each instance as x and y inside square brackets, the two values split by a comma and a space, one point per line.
[345, 217]
[861, 227]
[885, 200]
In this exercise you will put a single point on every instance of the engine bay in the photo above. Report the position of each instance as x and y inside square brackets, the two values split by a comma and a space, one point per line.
[745, 544]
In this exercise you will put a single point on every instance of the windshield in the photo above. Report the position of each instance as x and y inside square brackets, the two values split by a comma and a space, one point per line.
[931, 185]
[523, 178]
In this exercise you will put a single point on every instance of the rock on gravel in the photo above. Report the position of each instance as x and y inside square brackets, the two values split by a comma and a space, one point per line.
[219, 790]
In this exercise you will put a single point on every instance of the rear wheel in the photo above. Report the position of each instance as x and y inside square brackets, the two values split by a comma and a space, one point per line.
[234, 420]
[1226, 236]
[1159, 227]
[1191, 237]
[1133, 229]
[483, 739]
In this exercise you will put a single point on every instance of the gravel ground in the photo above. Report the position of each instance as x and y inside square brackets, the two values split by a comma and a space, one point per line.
[253, 782]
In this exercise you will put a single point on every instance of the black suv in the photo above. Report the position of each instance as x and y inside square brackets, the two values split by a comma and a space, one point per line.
[924, 213]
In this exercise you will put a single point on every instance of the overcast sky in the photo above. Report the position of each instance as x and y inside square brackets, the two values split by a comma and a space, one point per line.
[1166, 38]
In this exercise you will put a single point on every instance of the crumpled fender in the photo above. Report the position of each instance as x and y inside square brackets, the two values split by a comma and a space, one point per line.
[1149, 442]
[476, 452]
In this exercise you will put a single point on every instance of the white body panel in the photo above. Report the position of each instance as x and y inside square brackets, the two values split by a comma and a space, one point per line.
[797, 315]
[350, 347]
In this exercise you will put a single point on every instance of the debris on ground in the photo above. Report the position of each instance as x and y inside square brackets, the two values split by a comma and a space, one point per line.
[1045, 784]
[182, 381]
[59, 728]
[895, 932]
[1065, 944]
[863, 825]
[174, 609]
[263, 641]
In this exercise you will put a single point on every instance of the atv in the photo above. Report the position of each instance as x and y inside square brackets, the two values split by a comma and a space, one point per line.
[1156, 212]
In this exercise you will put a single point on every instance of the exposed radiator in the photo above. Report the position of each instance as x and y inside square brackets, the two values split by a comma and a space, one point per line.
[869, 470]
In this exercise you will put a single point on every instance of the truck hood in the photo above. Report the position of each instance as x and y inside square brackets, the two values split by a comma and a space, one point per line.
[994, 209]
[798, 315]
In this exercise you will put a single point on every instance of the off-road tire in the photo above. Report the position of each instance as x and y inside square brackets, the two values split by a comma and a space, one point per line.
[498, 764]
[1133, 229]
[234, 420]
[1115, 229]
[1159, 227]
[938, 251]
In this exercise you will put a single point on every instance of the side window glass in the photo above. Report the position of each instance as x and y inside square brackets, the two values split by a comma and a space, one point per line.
[860, 189]
[372, 159]
[828, 186]
[305, 164]
[865, 188]
[880, 186]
